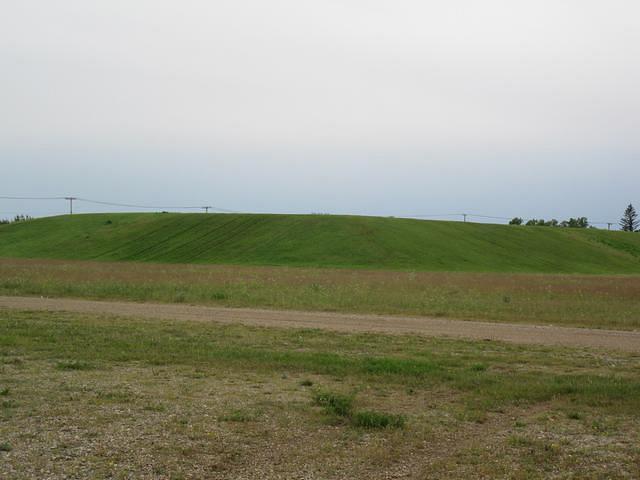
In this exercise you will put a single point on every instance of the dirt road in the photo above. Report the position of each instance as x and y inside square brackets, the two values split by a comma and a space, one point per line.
[525, 334]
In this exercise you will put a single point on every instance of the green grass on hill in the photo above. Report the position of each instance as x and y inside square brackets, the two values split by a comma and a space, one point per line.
[322, 240]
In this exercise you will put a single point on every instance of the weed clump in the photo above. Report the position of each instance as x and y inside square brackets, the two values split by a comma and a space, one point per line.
[74, 365]
[155, 407]
[5, 447]
[7, 404]
[478, 367]
[371, 419]
[340, 405]
[239, 416]
[334, 403]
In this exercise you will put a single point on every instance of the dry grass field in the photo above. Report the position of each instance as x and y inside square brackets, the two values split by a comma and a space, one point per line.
[595, 301]
[91, 396]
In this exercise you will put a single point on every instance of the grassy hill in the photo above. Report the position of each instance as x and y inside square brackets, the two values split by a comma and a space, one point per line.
[322, 240]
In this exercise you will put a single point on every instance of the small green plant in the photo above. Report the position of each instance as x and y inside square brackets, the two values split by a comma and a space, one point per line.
[155, 407]
[116, 396]
[470, 414]
[334, 403]
[574, 415]
[5, 447]
[4, 392]
[520, 441]
[478, 367]
[340, 405]
[238, 416]
[73, 365]
[306, 383]
[371, 419]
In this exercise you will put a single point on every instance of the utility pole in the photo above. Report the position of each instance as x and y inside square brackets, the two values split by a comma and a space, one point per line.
[464, 216]
[206, 209]
[71, 199]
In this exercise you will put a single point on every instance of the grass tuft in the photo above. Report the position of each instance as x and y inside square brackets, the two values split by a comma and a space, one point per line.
[239, 416]
[478, 367]
[74, 365]
[8, 404]
[340, 405]
[155, 407]
[334, 403]
[371, 419]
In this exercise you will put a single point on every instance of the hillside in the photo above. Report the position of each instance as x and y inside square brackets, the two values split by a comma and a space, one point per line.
[322, 240]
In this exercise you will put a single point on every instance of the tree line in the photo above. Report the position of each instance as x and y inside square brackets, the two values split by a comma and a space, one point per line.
[630, 222]
[16, 219]
[580, 222]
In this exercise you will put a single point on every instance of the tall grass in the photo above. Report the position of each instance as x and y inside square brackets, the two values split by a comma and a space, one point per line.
[587, 300]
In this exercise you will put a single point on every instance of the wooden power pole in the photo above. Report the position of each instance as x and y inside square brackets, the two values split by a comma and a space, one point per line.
[71, 199]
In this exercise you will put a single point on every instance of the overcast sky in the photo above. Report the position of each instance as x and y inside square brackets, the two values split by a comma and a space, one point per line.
[400, 107]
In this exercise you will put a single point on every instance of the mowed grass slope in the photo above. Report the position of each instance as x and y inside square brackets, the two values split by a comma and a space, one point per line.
[322, 240]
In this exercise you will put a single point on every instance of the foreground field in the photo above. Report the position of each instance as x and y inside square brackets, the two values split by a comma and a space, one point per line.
[95, 396]
[573, 300]
[322, 241]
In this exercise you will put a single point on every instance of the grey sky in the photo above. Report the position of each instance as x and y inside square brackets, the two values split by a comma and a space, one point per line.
[374, 107]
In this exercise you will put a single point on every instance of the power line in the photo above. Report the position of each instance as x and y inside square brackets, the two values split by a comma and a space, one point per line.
[432, 216]
[33, 198]
[124, 205]
[489, 216]
[469, 215]
[464, 216]
[154, 207]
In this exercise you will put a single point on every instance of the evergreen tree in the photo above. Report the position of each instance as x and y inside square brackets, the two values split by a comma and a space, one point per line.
[629, 221]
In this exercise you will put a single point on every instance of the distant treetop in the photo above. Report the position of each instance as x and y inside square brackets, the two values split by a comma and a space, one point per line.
[629, 221]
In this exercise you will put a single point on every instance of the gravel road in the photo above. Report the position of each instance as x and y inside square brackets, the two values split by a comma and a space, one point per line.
[515, 333]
